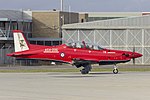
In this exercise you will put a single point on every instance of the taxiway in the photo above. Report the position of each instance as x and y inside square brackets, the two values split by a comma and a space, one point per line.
[74, 86]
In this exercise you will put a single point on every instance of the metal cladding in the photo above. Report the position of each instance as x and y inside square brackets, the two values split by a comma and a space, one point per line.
[121, 23]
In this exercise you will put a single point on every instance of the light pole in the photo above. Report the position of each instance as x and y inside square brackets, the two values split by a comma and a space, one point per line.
[61, 23]
[62, 5]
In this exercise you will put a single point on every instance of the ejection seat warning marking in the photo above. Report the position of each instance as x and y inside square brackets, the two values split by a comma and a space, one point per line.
[62, 55]
[51, 50]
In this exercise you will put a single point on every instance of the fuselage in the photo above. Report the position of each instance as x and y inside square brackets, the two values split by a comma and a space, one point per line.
[64, 53]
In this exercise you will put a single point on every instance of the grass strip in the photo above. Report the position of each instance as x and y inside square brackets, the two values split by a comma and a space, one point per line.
[72, 70]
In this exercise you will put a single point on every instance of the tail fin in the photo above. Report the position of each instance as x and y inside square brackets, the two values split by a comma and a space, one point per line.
[20, 42]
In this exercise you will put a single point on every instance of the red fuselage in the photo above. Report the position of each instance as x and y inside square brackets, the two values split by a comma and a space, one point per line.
[64, 53]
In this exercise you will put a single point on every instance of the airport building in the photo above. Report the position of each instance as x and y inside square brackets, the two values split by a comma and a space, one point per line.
[121, 33]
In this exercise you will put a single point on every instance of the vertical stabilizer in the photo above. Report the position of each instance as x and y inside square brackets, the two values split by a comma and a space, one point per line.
[20, 42]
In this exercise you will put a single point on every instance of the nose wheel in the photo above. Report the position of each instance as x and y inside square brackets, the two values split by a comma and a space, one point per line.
[84, 71]
[115, 70]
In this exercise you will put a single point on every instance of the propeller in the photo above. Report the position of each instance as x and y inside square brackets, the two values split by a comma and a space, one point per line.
[133, 55]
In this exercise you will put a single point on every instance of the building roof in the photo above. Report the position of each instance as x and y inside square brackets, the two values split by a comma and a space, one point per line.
[128, 22]
[45, 39]
[34, 39]
[15, 15]
[114, 14]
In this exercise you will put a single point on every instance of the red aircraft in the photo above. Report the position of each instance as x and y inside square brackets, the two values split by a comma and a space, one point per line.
[80, 54]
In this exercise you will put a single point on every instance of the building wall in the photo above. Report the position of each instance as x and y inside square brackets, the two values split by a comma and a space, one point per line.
[120, 39]
[48, 23]
[45, 24]
[83, 17]
[69, 17]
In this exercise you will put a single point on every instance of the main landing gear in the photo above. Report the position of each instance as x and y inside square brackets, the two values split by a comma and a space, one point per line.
[115, 70]
[86, 69]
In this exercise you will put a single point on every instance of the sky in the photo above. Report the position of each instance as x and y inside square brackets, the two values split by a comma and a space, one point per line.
[79, 5]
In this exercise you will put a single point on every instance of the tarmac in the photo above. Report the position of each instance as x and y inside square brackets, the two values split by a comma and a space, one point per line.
[74, 86]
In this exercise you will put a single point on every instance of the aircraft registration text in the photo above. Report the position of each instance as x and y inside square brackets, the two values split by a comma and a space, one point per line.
[51, 50]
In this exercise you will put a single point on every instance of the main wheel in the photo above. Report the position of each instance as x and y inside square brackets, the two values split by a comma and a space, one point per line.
[115, 71]
[83, 71]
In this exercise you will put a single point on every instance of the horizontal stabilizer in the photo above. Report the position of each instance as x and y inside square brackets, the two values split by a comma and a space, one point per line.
[19, 54]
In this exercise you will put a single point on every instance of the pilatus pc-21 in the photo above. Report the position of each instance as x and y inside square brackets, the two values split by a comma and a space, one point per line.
[80, 54]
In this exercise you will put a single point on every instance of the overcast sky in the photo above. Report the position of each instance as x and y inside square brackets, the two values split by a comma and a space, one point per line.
[80, 5]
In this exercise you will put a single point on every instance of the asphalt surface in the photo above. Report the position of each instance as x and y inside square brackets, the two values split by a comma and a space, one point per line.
[74, 86]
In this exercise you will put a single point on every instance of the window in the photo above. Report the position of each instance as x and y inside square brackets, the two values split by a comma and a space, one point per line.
[81, 45]
[75, 45]
[93, 46]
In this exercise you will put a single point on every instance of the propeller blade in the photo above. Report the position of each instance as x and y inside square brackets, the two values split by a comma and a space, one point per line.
[133, 55]
[133, 49]
[133, 61]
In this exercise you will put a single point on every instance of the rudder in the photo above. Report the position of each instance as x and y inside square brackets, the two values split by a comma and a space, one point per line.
[20, 42]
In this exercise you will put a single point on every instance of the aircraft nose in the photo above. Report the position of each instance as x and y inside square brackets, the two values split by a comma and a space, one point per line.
[136, 55]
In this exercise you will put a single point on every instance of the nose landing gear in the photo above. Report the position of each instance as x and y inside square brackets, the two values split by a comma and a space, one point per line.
[115, 70]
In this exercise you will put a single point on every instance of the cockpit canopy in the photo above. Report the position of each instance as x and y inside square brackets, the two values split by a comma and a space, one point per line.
[84, 45]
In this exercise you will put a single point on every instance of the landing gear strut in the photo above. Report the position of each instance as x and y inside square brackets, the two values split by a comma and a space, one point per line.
[86, 69]
[115, 70]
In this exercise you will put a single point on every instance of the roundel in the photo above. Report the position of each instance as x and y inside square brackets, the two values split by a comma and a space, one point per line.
[62, 54]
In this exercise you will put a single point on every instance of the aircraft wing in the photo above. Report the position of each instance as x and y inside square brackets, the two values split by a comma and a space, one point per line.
[95, 61]
[85, 61]
[107, 62]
